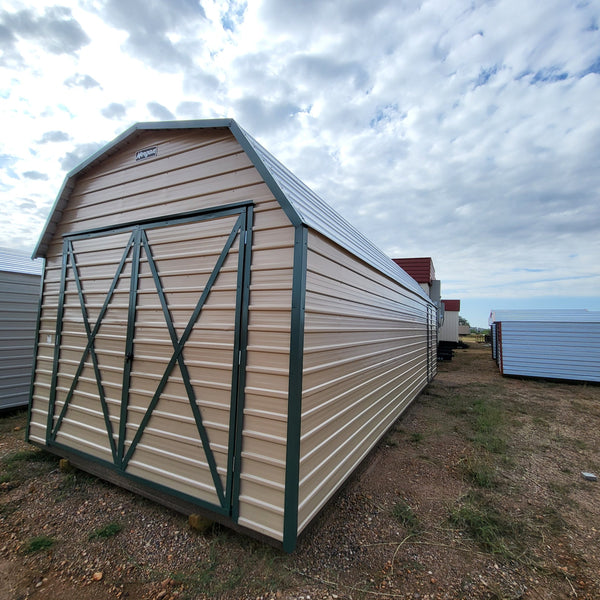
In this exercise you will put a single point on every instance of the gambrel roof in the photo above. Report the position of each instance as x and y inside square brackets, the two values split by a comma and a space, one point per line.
[301, 204]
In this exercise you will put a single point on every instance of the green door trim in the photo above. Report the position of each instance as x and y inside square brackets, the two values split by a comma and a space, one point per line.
[239, 359]
[228, 498]
[133, 290]
[52, 428]
[177, 357]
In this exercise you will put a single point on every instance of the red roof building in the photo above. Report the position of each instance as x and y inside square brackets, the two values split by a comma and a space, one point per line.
[453, 305]
[420, 269]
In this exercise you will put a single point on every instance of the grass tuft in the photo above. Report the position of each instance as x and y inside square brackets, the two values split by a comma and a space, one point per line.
[479, 472]
[24, 464]
[404, 514]
[27, 455]
[493, 531]
[41, 542]
[105, 532]
[416, 437]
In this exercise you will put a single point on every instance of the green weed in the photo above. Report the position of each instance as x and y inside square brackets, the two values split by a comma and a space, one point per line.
[41, 542]
[480, 472]
[105, 532]
[416, 437]
[24, 464]
[492, 443]
[27, 456]
[493, 531]
[404, 514]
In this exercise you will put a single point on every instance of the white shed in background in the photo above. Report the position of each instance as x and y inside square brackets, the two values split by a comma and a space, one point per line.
[19, 300]
[555, 344]
[449, 328]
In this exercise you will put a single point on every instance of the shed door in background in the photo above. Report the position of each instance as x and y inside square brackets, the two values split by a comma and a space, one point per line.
[150, 352]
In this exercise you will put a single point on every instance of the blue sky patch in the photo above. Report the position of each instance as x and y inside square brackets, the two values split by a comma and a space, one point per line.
[593, 68]
[485, 75]
[549, 75]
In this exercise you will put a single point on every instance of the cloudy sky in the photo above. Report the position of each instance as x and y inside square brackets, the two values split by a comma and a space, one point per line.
[468, 131]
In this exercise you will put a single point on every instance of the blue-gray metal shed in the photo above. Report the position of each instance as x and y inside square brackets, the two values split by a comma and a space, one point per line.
[555, 344]
[19, 299]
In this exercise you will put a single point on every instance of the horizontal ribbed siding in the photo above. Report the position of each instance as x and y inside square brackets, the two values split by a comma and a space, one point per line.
[494, 341]
[265, 406]
[19, 300]
[553, 350]
[449, 328]
[194, 170]
[365, 360]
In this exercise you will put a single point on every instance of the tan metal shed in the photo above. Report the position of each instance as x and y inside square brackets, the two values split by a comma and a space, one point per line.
[213, 335]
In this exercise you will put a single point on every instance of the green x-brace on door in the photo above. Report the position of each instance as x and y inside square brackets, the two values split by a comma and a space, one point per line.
[124, 429]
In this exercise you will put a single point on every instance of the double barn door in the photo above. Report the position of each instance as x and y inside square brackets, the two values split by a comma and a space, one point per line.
[150, 352]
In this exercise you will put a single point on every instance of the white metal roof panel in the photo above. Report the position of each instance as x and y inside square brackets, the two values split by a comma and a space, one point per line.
[12, 261]
[545, 315]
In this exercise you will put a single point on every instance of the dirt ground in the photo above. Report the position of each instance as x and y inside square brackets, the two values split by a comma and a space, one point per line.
[477, 492]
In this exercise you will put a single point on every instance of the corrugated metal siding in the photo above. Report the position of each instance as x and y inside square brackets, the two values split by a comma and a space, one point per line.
[494, 340]
[553, 350]
[449, 329]
[15, 262]
[433, 341]
[365, 360]
[194, 170]
[19, 301]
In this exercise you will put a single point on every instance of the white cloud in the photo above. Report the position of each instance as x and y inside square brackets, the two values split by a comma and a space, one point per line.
[466, 131]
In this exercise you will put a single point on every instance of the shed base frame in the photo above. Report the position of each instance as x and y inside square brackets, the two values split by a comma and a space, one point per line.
[179, 505]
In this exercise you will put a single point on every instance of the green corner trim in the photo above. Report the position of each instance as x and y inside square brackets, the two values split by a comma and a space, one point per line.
[292, 473]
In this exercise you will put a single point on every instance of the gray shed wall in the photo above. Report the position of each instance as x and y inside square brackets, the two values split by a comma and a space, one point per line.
[19, 300]
[553, 350]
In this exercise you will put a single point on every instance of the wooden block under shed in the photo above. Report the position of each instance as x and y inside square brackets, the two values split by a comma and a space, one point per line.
[64, 464]
[199, 523]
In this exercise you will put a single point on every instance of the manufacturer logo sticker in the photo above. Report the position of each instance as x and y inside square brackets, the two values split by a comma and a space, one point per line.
[146, 153]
